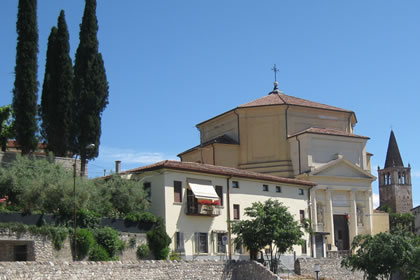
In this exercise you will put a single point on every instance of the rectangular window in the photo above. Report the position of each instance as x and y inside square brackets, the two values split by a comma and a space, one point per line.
[179, 242]
[221, 243]
[219, 191]
[235, 185]
[148, 190]
[177, 191]
[301, 192]
[278, 189]
[304, 251]
[201, 243]
[302, 215]
[236, 211]
[265, 188]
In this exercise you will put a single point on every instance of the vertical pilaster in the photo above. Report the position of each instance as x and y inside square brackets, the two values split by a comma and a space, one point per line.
[368, 218]
[331, 220]
[353, 215]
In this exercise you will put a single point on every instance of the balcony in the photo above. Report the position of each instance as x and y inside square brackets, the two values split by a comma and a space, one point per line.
[206, 207]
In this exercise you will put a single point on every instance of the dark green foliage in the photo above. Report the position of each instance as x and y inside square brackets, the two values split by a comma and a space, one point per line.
[142, 251]
[159, 241]
[98, 253]
[85, 241]
[26, 84]
[108, 238]
[88, 219]
[90, 86]
[385, 253]
[271, 225]
[41, 186]
[7, 126]
[56, 234]
[142, 217]
[118, 197]
[57, 92]
[401, 222]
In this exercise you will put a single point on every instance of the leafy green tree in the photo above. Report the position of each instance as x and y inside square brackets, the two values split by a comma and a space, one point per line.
[381, 255]
[38, 185]
[118, 197]
[90, 86]
[26, 84]
[57, 92]
[7, 127]
[270, 224]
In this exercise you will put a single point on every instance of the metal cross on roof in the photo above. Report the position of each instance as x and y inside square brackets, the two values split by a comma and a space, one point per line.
[275, 70]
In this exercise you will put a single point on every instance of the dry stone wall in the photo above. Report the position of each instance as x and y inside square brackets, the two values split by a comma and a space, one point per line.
[157, 270]
[330, 269]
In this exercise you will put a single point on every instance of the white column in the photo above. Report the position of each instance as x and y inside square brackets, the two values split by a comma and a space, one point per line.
[369, 215]
[331, 220]
[314, 219]
[353, 215]
[314, 210]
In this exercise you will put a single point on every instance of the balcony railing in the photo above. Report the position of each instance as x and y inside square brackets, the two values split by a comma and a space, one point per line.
[202, 210]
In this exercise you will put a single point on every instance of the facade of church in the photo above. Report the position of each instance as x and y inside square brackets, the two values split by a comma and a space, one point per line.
[290, 137]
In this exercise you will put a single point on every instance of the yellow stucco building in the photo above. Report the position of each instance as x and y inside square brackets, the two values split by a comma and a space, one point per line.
[291, 137]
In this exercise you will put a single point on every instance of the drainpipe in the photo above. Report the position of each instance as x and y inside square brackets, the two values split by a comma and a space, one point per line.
[300, 167]
[228, 218]
[239, 137]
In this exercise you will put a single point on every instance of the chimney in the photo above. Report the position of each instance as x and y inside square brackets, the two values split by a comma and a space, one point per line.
[117, 166]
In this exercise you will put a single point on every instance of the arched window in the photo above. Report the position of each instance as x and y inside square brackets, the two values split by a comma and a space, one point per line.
[404, 178]
[400, 181]
[388, 179]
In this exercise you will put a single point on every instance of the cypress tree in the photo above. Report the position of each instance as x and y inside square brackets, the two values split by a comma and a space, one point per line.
[57, 92]
[90, 86]
[26, 84]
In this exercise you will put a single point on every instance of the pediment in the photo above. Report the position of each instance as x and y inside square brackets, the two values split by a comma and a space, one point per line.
[342, 168]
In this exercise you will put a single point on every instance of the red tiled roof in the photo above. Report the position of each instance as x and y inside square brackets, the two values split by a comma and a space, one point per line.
[216, 169]
[283, 99]
[328, 131]
[14, 144]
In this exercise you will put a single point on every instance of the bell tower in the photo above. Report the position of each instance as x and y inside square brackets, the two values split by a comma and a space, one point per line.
[395, 180]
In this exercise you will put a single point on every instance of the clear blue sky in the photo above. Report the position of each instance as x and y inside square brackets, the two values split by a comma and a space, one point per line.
[172, 64]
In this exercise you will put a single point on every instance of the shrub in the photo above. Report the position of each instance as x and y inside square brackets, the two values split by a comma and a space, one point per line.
[84, 241]
[159, 241]
[145, 217]
[142, 251]
[88, 219]
[108, 238]
[132, 242]
[174, 256]
[98, 253]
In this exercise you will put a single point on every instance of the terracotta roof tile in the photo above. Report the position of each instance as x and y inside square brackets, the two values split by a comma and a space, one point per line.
[328, 131]
[224, 139]
[281, 98]
[216, 169]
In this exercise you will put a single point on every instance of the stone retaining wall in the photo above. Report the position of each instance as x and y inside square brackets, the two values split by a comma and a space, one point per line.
[330, 269]
[156, 270]
[40, 248]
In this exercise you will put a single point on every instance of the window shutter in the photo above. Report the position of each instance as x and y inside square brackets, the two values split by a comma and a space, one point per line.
[197, 242]
[181, 242]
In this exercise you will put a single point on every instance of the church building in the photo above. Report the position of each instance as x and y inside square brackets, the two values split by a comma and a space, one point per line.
[286, 136]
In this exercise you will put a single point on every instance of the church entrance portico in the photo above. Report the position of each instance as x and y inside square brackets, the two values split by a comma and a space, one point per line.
[341, 233]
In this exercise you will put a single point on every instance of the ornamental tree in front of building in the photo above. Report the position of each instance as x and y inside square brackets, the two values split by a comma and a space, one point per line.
[271, 225]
